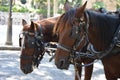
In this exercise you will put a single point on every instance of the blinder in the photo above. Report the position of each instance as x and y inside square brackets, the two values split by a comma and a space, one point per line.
[20, 41]
[30, 39]
[31, 42]
[76, 30]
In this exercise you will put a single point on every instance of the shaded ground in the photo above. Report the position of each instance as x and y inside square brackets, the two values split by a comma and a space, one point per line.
[9, 69]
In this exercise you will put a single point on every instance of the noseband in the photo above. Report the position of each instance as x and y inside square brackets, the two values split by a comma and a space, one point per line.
[35, 41]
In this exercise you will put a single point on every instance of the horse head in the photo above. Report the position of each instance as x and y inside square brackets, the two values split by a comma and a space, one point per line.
[32, 48]
[70, 30]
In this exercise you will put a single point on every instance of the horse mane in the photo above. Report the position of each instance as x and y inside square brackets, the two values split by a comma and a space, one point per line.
[105, 24]
[64, 18]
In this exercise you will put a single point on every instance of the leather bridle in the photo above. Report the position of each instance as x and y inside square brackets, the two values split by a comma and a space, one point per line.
[35, 41]
[76, 31]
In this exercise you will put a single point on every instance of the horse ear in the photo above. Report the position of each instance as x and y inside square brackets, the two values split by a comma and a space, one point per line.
[32, 26]
[67, 6]
[24, 22]
[80, 10]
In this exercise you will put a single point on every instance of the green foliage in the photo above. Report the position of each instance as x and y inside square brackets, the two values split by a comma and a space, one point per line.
[4, 8]
[15, 8]
[118, 0]
[18, 8]
[97, 5]
[41, 11]
[118, 4]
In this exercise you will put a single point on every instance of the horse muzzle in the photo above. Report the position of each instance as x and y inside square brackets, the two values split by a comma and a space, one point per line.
[27, 69]
[62, 64]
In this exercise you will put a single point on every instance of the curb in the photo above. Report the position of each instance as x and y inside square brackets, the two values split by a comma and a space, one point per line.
[15, 48]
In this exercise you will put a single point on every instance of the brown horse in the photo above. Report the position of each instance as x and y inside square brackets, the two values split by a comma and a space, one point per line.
[79, 26]
[32, 42]
[59, 28]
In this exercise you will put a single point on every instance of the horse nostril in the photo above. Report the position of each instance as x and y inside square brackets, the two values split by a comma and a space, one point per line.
[27, 70]
[24, 71]
[61, 63]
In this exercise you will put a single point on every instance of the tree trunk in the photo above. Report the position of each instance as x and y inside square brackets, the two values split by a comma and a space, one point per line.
[55, 7]
[48, 11]
[9, 28]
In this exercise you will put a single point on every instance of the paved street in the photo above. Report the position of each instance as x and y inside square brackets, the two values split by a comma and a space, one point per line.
[9, 69]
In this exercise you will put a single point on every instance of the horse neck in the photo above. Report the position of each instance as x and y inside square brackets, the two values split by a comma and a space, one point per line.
[48, 33]
[97, 41]
[100, 33]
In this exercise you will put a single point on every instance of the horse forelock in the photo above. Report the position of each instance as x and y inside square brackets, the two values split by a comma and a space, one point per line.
[64, 18]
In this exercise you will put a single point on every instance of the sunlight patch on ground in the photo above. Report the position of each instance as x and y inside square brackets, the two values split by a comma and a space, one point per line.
[12, 78]
[98, 64]
[67, 72]
[3, 73]
[46, 65]
[98, 77]
[48, 78]
[41, 73]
